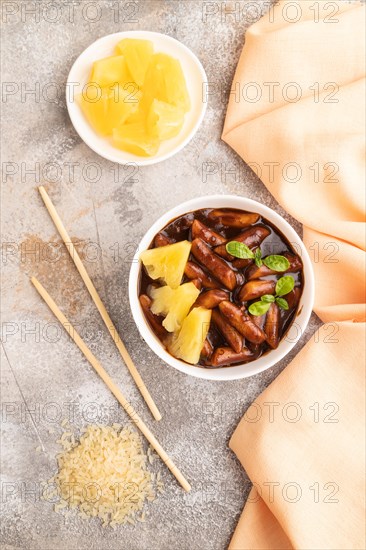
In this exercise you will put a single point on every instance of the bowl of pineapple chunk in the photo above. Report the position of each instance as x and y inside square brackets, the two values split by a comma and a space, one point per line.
[221, 287]
[136, 96]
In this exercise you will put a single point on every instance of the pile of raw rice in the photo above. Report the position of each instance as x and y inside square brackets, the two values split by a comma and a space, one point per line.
[105, 475]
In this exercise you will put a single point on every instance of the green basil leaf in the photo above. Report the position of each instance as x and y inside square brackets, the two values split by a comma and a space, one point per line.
[239, 250]
[259, 308]
[258, 257]
[284, 285]
[268, 298]
[276, 262]
[282, 303]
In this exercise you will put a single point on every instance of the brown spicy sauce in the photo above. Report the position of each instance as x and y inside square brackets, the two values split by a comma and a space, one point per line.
[218, 350]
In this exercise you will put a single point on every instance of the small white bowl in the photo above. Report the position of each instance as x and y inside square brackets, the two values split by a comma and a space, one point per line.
[195, 78]
[297, 327]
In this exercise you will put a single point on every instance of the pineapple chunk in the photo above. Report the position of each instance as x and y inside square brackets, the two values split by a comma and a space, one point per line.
[167, 262]
[135, 139]
[137, 53]
[109, 108]
[109, 70]
[188, 343]
[166, 82]
[95, 110]
[121, 106]
[164, 120]
[174, 303]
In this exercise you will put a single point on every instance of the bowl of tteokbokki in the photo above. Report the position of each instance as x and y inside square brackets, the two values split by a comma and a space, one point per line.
[221, 287]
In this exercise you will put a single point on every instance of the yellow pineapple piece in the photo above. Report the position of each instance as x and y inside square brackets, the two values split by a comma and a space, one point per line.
[165, 81]
[164, 121]
[121, 105]
[137, 54]
[188, 343]
[106, 108]
[167, 262]
[109, 70]
[134, 138]
[95, 109]
[173, 303]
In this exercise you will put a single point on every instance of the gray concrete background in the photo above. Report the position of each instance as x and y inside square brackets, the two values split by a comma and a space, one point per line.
[107, 209]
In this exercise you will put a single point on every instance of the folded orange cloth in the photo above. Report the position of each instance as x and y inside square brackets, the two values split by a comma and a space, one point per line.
[299, 123]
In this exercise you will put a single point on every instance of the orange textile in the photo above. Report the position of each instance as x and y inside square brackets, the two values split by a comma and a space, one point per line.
[304, 135]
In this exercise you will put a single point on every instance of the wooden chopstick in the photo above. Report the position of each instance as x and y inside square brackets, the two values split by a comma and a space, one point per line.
[110, 384]
[98, 302]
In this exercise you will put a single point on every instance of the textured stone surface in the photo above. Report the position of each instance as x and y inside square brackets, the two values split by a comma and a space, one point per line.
[110, 208]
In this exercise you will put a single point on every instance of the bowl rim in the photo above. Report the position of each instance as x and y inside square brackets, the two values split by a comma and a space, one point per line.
[304, 308]
[74, 114]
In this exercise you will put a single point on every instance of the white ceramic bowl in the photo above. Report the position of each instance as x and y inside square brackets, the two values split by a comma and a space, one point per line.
[296, 329]
[195, 78]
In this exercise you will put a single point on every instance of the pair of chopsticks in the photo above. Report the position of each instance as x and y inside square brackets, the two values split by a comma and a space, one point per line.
[113, 332]
[98, 302]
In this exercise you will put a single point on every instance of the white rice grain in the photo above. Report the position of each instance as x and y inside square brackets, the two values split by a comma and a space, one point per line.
[105, 475]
